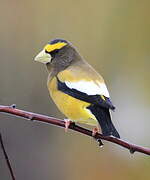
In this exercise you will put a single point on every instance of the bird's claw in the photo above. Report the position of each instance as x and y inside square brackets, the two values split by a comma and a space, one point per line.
[67, 124]
[94, 132]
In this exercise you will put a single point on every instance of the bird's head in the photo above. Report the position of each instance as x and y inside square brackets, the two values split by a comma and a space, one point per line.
[57, 53]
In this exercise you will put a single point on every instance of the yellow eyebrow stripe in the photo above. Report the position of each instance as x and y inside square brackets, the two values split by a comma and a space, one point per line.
[52, 47]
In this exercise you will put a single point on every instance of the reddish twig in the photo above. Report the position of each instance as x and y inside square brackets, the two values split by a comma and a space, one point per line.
[6, 158]
[51, 120]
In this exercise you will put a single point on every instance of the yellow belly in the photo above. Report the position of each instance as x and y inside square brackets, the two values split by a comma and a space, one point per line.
[72, 108]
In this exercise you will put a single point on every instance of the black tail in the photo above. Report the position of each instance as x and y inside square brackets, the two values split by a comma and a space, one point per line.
[104, 119]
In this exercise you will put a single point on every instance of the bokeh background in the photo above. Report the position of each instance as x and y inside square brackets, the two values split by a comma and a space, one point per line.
[113, 36]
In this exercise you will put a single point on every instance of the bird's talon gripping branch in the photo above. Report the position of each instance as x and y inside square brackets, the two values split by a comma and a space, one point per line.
[94, 131]
[67, 124]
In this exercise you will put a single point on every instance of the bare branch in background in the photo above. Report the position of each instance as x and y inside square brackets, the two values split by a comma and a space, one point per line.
[58, 122]
[6, 158]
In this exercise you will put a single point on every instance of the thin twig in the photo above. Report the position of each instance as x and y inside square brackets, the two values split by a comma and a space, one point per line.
[6, 158]
[58, 122]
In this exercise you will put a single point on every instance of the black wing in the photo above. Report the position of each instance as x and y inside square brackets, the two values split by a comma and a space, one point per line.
[93, 99]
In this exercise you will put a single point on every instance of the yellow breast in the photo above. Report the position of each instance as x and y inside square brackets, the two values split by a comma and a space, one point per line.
[71, 107]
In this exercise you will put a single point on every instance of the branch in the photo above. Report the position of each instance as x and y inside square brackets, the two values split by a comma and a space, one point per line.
[58, 122]
[6, 158]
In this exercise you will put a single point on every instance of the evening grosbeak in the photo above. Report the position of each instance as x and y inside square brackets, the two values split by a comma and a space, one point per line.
[77, 89]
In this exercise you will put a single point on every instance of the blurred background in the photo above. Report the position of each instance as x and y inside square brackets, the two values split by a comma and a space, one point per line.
[113, 36]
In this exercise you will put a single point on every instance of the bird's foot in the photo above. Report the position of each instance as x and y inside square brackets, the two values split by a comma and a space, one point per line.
[94, 132]
[67, 124]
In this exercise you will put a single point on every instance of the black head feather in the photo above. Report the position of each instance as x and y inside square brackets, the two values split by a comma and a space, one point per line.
[54, 41]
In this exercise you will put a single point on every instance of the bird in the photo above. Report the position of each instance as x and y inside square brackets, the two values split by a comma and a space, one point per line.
[76, 88]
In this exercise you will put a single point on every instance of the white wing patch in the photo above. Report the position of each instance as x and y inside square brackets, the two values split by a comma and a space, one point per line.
[89, 87]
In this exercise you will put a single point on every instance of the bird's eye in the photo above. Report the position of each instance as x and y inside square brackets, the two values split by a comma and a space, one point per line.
[56, 51]
[52, 52]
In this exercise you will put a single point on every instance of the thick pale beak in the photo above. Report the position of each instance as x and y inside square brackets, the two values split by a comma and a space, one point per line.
[43, 57]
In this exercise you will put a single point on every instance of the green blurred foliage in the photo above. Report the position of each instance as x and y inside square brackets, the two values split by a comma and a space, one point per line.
[111, 35]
